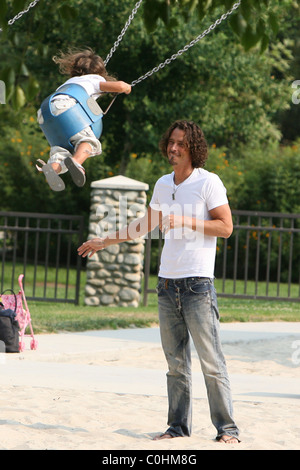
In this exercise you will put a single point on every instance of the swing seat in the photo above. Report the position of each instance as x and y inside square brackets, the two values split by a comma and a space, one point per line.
[85, 113]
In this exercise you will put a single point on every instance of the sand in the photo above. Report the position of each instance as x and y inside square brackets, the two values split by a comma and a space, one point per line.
[106, 390]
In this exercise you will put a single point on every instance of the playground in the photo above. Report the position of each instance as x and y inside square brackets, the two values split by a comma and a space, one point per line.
[93, 376]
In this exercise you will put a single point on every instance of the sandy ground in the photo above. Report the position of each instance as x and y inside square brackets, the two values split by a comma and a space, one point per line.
[106, 390]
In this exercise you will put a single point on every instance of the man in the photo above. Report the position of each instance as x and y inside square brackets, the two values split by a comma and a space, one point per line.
[191, 208]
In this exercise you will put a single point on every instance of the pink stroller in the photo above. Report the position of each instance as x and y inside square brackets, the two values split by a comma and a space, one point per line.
[23, 315]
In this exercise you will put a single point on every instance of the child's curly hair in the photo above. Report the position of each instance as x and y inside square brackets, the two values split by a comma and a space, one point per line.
[194, 139]
[77, 62]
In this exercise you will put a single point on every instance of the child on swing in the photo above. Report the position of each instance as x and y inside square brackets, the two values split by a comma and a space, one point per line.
[88, 70]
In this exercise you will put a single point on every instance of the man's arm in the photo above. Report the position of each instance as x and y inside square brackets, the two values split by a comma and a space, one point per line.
[219, 226]
[137, 228]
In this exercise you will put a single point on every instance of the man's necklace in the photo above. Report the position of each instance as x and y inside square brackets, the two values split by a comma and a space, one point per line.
[176, 189]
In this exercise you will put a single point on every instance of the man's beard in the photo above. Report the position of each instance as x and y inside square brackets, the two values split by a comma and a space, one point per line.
[171, 159]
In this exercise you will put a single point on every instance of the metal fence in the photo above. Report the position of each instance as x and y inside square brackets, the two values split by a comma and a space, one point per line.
[43, 248]
[259, 261]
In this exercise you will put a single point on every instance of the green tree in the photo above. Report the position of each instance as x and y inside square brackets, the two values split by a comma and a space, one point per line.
[255, 21]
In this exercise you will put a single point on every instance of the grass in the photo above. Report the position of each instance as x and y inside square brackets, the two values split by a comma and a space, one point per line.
[40, 282]
[53, 317]
[56, 317]
[271, 289]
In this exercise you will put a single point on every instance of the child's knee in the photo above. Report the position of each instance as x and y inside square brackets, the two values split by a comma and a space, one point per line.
[86, 136]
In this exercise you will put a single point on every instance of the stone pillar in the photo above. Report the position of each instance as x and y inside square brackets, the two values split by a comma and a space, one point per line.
[114, 275]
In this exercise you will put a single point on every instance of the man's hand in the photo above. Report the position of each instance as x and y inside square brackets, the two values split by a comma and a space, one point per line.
[170, 222]
[91, 246]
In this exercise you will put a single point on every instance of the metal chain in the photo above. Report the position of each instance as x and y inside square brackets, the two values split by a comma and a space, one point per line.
[185, 48]
[21, 13]
[120, 37]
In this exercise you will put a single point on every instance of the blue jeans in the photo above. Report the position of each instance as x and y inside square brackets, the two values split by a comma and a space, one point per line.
[188, 307]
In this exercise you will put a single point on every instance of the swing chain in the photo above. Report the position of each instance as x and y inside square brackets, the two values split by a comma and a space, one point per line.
[120, 37]
[21, 13]
[187, 46]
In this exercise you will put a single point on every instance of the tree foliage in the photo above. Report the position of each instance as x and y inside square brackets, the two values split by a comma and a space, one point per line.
[255, 21]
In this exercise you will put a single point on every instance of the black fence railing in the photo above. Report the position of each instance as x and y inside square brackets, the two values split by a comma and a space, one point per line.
[42, 247]
[260, 260]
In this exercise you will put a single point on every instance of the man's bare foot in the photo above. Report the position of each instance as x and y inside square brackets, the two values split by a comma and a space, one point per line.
[165, 435]
[229, 439]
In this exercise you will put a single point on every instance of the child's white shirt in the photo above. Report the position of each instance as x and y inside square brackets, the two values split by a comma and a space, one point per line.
[90, 82]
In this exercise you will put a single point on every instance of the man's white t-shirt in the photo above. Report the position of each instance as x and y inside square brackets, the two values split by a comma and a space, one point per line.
[188, 253]
[90, 82]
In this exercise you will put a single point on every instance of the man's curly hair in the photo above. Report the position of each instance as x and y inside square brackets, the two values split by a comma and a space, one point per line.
[194, 140]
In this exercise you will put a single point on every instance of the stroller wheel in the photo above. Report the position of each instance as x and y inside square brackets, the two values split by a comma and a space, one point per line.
[21, 346]
[33, 344]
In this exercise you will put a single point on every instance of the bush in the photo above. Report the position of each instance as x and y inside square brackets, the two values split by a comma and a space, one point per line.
[260, 179]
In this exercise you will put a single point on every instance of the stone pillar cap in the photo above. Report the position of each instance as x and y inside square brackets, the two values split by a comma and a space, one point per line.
[120, 182]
